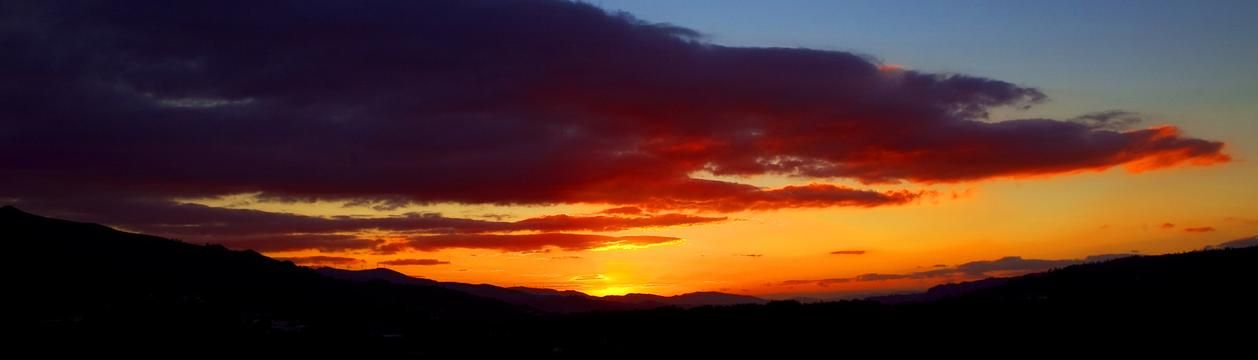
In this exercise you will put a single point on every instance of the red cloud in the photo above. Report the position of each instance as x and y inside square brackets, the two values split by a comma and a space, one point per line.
[606, 223]
[527, 242]
[624, 210]
[720, 196]
[1201, 229]
[848, 252]
[1168, 225]
[408, 262]
[275, 232]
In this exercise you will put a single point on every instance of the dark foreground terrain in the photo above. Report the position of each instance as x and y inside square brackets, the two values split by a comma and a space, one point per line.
[87, 289]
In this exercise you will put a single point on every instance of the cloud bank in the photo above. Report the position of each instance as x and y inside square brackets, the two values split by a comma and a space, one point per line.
[496, 102]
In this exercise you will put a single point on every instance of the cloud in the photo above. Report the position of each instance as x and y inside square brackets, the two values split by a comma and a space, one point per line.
[1006, 266]
[322, 260]
[408, 262]
[819, 282]
[498, 102]
[848, 252]
[624, 210]
[590, 277]
[272, 232]
[607, 223]
[1168, 225]
[1200, 229]
[1109, 120]
[529, 242]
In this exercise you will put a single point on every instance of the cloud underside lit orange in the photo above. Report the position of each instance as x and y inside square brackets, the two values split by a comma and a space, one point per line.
[527, 242]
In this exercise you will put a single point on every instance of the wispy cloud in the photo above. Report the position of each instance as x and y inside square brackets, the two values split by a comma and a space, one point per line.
[412, 262]
[1006, 266]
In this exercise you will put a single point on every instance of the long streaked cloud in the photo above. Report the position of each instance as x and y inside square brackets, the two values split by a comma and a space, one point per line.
[414, 262]
[1006, 266]
[278, 232]
[528, 242]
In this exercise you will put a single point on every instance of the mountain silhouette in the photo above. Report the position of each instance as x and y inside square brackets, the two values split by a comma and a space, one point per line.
[549, 300]
[539, 299]
[940, 292]
[81, 281]
[78, 283]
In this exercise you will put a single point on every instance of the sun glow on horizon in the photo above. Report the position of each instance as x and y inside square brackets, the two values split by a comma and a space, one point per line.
[612, 290]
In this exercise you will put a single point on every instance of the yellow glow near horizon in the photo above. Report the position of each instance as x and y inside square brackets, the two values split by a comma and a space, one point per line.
[612, 290]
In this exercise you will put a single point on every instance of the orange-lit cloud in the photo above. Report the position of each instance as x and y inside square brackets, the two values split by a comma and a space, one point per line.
[526, 242]
[1200, 229]
[277, 232]
[411, 262]
[606, 223]
[848, 252]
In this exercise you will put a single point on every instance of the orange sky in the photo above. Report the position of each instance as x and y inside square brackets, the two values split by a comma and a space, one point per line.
[760, 252]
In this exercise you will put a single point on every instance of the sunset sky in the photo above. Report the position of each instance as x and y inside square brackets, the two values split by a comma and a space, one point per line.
[772, 148]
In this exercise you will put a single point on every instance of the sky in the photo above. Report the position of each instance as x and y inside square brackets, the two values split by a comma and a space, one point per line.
[781, 149]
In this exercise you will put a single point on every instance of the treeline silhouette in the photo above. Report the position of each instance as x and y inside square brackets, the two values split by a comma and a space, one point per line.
[87, 289]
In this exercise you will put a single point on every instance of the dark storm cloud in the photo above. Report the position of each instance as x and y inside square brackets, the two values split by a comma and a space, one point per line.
[495, 102]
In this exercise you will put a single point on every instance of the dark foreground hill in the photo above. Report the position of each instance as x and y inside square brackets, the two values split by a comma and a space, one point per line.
[87, 289]
[84, 281]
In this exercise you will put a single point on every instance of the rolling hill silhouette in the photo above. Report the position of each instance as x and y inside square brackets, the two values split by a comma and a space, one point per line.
[549, 300]
[79, 283]
[87, 280]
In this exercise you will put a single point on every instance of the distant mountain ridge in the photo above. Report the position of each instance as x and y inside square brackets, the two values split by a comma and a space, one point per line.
[1131, 274]
[72, 239]
[549, 300]
[76, 282]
